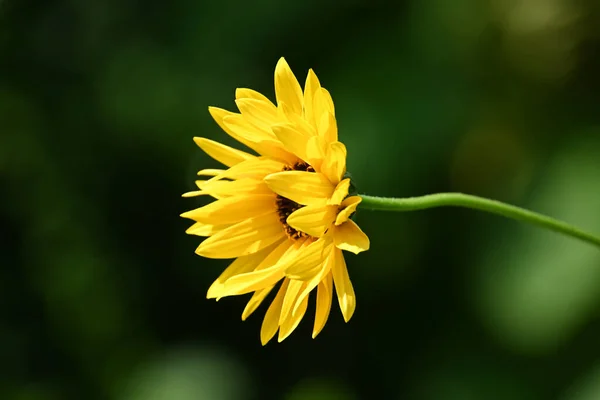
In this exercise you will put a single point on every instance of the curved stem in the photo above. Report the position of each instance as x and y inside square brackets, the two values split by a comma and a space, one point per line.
[476, 203]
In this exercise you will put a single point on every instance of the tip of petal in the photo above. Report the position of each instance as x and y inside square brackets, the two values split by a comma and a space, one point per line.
[199, 141]
[352, 248]
[348, 305]
[282, 64]
[186, 214]
[192, 194]
[265, 340]
[281, 338]
[215, 291]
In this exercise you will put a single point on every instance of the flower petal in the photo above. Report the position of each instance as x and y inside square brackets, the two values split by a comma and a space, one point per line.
[343, 287]
[293, 140]
[287, 88]
[334, 166]
[294, 288]
[243, 238]
[322, 103]
[270, 324]
[240, 125]
[219, 188]
[262, 141]
[309, 260]
[327, 128]
[244, 93]
[340, 192]
[287, 114]
[202, 229]
[255, 301]
[231, 210]
[310, 87]
[348, 208]
[290, 324]
[348, 236]
[267, 273]
[325, 269]
[224, 154]
[238, 266]
[194, 193]
[324, 297]
[313, 220]
[256, 168]
[315, 152]
[259, 113]
[219, 115]
[302, 187]
[210, 172]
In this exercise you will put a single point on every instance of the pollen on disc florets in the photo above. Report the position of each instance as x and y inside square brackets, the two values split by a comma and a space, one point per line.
[286, 206]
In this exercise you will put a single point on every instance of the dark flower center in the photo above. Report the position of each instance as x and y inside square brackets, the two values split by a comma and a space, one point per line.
[286, 206]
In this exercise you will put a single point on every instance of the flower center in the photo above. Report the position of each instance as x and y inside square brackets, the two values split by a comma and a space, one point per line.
[286, 206]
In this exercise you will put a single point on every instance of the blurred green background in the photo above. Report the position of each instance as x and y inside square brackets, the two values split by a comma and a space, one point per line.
[102, 296]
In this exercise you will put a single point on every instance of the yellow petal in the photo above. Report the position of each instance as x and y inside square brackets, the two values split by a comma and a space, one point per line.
[259, 113]
[327, 128]
[348, 207]
[287, 88]
[224, 154]
[238, 266]
[293, 140]
[334, 166]
[324, 297]
[255, 301]
[242, 127]
[348, 236]
[210, 172]
[271, 322]
[322, 103]
[315, 152]
[235, 125]
[290, 324]
[262, 141]
[219, 115]
[202, 229]
[200, 184]
[313, 220]
[194, 193]
[343, 287]
[267, 273]
[291, 251]
[340, 192]
[256, 168]
[234, 209]
[287, 115]
[310, 87]
[302, 187]
[219, 189]
[309, 260]
[325, 269]
[243, 238]
[294, 288]
[243, 93]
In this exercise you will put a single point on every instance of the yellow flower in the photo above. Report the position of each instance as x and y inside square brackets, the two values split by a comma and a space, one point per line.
[284, 214]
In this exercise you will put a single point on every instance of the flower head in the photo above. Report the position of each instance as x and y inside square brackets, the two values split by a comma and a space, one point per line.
[283, 214]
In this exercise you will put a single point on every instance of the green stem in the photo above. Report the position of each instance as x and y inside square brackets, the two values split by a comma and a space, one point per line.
[476, 203]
